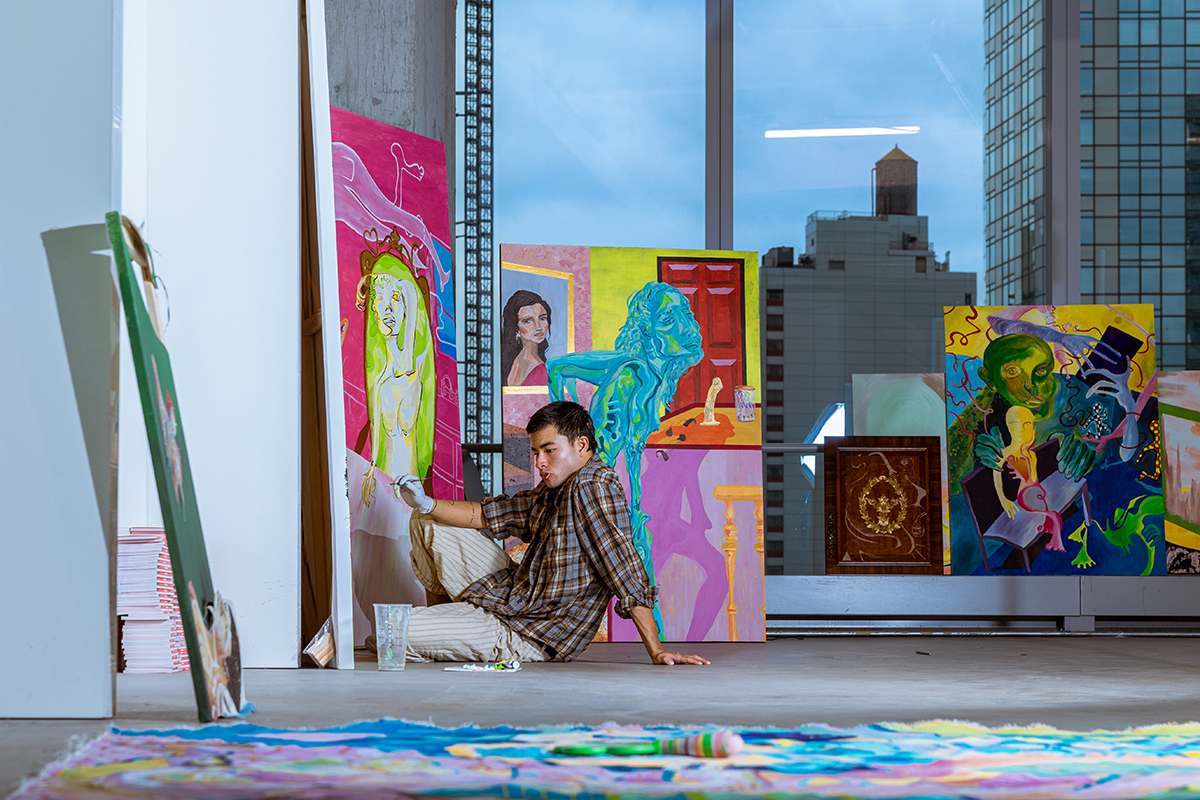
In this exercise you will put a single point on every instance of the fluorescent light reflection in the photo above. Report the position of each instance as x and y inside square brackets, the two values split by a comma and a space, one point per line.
[814, 133]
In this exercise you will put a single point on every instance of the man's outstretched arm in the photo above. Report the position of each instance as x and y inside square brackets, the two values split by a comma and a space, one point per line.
[458, 513]
[643, 618]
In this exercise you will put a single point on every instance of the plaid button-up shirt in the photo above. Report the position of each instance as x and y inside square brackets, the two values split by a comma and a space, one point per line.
[580, 555]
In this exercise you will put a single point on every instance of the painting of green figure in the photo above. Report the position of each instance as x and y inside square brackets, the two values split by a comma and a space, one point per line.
[401, 387]
[659, 341]
[1053, 440]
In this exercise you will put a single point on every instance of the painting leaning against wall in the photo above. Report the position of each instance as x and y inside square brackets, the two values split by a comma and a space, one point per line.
[659, 345]
[1053, 440]
[214, 654]
[899, 404]
[400, 380]
[1179, 427]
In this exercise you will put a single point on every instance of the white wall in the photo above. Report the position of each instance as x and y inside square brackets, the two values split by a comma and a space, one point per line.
[137, 495]
[56, 133]
[222, 212]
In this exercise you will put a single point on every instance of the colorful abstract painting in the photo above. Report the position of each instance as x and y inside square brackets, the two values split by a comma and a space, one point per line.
[208, 624]
[396, 298]
[903, 404]
[398, 760]
[1179, 427]
[1053, 440]
[662, 347]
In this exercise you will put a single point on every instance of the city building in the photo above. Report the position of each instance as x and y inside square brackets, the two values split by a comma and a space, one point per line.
[1134, 113]
[1134, 142]
[866, 296]
[1016, 190]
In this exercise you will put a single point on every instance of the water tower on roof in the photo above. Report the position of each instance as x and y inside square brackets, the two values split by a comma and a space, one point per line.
[896, 184]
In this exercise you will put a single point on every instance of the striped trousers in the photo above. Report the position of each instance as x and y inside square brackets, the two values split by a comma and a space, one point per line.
[446, 561]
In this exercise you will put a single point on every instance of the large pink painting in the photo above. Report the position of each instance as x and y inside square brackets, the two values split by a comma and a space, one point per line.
[396, 299]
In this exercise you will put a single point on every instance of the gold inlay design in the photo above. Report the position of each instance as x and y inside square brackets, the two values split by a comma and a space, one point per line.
[877, 512]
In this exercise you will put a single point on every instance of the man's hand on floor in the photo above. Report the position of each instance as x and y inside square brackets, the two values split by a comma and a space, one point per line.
[643, 618]
[671, 659]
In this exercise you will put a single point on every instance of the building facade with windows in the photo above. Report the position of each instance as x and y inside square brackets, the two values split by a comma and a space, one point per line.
[1134, 139]
[865, 297]
[1137, 61]
[1015, 152]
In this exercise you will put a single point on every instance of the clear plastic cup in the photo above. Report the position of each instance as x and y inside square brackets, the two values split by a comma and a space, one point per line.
[391, 635]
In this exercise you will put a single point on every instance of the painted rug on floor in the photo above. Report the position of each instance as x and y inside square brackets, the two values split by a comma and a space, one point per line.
[398, 759]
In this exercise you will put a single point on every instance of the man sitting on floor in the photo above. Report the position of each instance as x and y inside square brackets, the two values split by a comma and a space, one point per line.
[483, 607]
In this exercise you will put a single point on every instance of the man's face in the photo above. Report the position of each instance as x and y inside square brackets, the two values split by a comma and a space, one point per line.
[555, 458]
[1027, 379]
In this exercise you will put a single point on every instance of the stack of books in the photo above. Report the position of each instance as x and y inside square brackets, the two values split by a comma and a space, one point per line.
[151, 630]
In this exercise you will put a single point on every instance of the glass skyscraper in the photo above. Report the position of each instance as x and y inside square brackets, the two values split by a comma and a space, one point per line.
[1014, 148]
[1140, 226]
[1134, 79]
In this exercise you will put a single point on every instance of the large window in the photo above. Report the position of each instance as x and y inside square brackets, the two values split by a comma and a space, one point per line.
[846, 64]
[858, 171]
[599, 123]
[858, 174]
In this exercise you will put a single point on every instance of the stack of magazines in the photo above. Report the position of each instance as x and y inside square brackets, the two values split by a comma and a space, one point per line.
[152, 630]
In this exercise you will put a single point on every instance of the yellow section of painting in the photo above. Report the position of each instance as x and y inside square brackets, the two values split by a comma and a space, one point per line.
[1177, 534]
[618, 272]
[965, 324]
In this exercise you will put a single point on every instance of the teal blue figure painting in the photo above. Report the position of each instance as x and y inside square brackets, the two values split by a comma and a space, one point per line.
[657, 344]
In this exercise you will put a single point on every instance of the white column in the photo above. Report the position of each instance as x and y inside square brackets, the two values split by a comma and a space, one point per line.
[57, 334]
[223, 216]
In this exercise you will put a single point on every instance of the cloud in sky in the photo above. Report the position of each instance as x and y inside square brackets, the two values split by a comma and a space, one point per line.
[599, 133]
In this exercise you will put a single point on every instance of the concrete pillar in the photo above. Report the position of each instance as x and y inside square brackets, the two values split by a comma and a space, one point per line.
[393, 61]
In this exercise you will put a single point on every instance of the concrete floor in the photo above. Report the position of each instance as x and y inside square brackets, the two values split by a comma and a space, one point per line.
[1076, 682]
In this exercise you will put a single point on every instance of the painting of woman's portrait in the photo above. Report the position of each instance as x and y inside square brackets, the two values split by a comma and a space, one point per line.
[535, 326]
[524, 339]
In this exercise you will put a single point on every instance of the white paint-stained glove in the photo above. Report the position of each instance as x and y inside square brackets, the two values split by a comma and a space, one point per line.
[409, 487]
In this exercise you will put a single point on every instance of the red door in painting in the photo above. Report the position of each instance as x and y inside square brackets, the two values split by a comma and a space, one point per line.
[714, 287]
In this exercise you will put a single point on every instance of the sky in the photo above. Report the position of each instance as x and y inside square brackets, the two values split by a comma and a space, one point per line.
[599, 118]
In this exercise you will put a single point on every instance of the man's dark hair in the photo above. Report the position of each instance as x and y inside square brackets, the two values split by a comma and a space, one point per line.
[571, 419]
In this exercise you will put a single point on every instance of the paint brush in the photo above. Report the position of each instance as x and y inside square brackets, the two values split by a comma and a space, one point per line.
[717, 744]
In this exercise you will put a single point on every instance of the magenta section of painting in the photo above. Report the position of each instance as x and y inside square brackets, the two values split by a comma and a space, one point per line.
[687, 523]
[390, 201]
[377, 190]
[427, 197]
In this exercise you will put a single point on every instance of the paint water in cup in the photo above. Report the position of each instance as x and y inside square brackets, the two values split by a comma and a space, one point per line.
[743, 398]
[391, 634]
